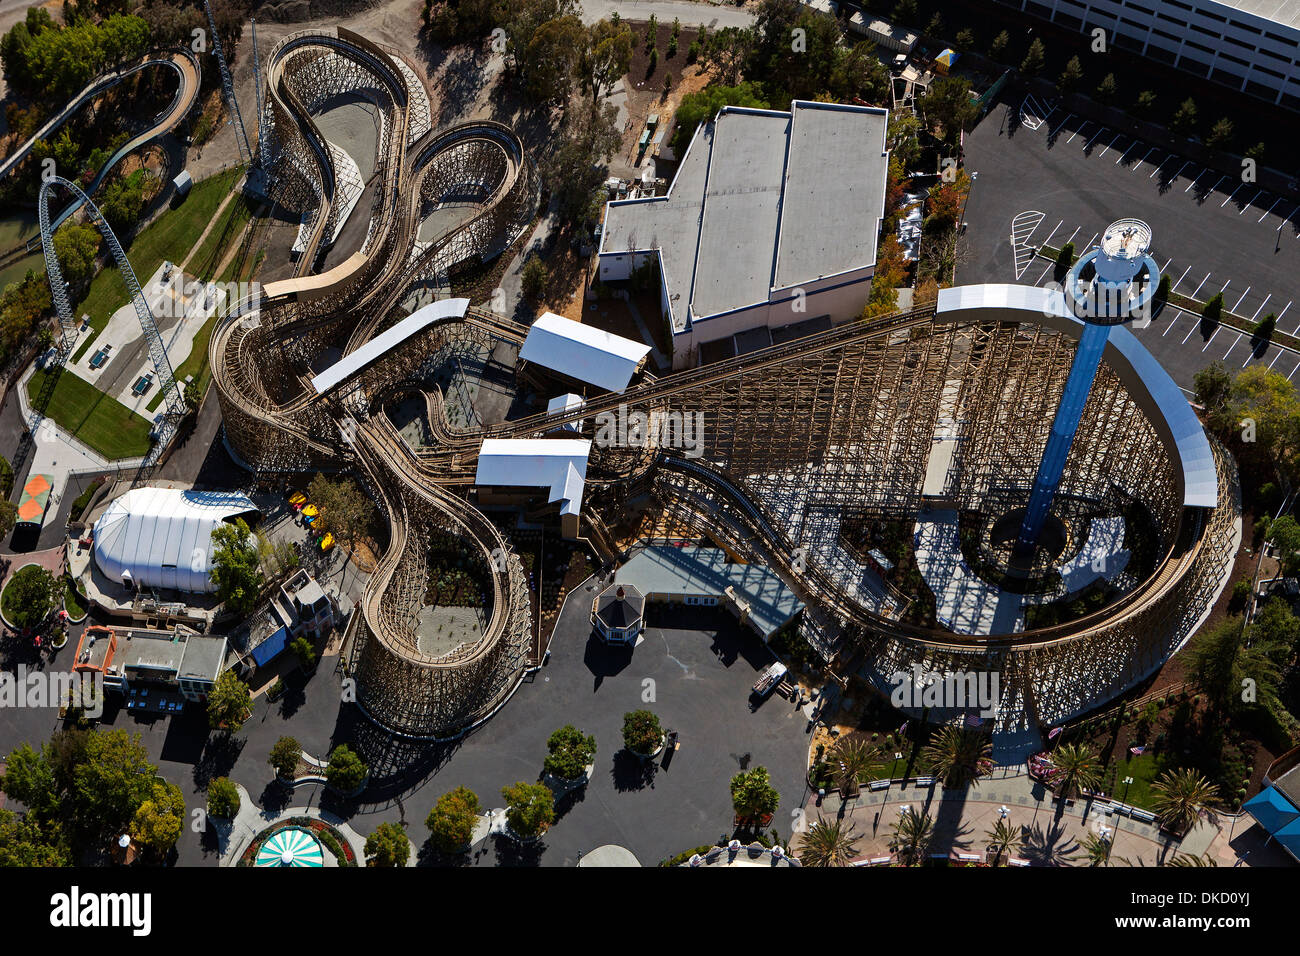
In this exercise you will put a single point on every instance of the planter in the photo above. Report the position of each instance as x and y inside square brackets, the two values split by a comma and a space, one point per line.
[758, 822]
[559, 785]
[60, 641]
[652, 754]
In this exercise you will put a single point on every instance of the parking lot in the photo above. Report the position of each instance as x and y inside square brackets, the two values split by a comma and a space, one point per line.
[1047, 177]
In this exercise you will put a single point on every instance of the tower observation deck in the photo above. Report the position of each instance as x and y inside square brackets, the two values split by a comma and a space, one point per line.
[1109, 285]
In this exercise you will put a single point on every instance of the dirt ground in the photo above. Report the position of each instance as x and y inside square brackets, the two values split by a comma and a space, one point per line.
[645, 92]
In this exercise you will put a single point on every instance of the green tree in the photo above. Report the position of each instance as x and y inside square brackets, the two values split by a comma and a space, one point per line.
[228, 703]
[959, 756]
[1146, 103]
[1070, 76]
[569, 752]
[1184, 119]
[1095, 850]
[1213, 310]
[236, 569]
[1107, 88]
[948, 104]
[912, 836]
[550, 60]
[534, 277]
[904, 139]
[697, 108]
[110, 781]
[752, 795]
[1264, 328]
[642, 732]
[75, 244]
[304, 651]
[965, 39]
[1220, 136]
[828, 843]
[1065, 258]
[388, 846]
[858, 73]
[284, 756]
[854, 758]
[1163, 289]
[605, 57]
[1181, 797]
[158, 820]
[1002, 840]
[345, 771]
[576, 169]
[998, 46]
[29, 596]
[25, 841]
[452, 820]
[1077, 768]
[727, 51]
[29, 779]
[123, 203]
[530, 808]
[223, 798]
[345, 510]
[1035, 59]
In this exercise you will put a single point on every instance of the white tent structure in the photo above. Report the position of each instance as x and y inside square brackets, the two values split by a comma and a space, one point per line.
[583, 352]
[162, 537]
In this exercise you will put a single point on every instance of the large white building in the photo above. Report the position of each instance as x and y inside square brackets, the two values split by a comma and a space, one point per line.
[1249, 45]
[771, 221]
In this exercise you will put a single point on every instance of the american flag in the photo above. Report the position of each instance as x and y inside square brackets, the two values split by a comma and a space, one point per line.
[1137, 751]
[974, 720]
[1054, 733]
[903, 729]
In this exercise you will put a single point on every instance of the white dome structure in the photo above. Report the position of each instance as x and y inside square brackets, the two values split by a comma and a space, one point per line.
[162, 537]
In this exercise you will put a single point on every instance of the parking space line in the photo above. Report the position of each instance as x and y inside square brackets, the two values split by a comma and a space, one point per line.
[1196, 180]
[1073, 234]
[1067, 119]
[1275, 358]
[1189, 333]
[1225, 287]
[1252, 201]
[1181, 277]
[1166, 265]
[1136, 144]
[1043, 273]
[1110, 144]
[1144, 158]
[1271, 208]
[1215, 187]
[1162, 162]
[1078, 131]
[1048, 240]
[1261, 306]
[1297, 365]
[1180, 171]
[1233, 346]
[1243, 296]
[1094, 138]
[1233, 193]
[1218, 328]
[1173, 323]
[1203, 281]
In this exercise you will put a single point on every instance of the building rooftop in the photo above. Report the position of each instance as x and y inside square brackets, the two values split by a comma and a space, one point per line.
[1286, 12]
[583, 352]
[181, 653]
[665, 569]
[763, 200]
[559, 464]
[620, 605]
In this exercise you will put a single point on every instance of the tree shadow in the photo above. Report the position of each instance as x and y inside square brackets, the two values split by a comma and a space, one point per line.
[630, 772]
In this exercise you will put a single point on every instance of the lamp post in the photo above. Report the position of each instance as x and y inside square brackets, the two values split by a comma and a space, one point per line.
[1128, 782]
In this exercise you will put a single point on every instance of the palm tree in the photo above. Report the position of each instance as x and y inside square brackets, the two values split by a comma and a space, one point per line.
[827, 843]
[912, 837]
[1186, 859]
[959, 756]
[853, 758]
[1002, 839]
[1077, 769]
[1096, 849]
[1182, 797]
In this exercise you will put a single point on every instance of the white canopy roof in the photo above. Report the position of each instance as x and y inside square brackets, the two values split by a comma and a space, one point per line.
[388, 340]
[582, 352]
[162, 537]
[559, 464]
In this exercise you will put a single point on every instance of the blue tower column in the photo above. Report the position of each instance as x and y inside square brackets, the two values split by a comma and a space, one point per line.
[1083, 371]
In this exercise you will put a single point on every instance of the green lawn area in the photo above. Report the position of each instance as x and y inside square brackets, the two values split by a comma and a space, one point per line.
[93, 418]
[227, 229]
[169, 237]
[1143, 770]
[74, 603]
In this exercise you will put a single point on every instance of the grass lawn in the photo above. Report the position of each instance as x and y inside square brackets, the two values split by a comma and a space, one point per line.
[227, 229]
[169, 237]
[196, 364]
[93, 418]
[73, 603]
[1143, 770]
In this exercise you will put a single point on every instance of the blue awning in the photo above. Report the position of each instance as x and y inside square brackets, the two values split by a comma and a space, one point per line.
[271, 648]
[1273, 810]
[1289, 837]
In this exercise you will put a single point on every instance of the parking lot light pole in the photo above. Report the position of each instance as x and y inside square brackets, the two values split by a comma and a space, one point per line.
[962, 218]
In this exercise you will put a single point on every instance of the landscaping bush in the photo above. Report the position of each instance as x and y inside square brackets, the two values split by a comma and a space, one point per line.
[752, 794]
[223, 798]
[569, 752]
[642, 732]
[388, 846]
[29, 596]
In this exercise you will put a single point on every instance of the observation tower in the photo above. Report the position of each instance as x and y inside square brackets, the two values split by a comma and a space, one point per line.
[1109, 285]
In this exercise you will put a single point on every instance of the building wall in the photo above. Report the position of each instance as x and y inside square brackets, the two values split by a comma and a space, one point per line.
[1237, 49]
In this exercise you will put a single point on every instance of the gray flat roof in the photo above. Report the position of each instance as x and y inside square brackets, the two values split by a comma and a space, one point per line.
[763, 199]
[1279, 11]
[691, 570]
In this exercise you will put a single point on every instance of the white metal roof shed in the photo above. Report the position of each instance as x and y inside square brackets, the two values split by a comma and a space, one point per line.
[582, 352]
[559, 464]
[162, 537]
